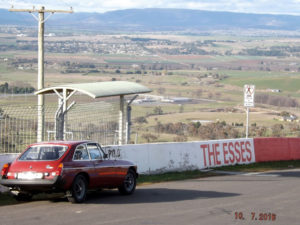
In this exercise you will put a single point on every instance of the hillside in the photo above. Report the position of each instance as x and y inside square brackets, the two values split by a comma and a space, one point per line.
[159, 20]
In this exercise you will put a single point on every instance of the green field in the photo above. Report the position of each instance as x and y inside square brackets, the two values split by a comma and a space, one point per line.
[290, 83]
[218, 76]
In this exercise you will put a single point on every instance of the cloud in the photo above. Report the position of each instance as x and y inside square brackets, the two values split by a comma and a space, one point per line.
[248, 6]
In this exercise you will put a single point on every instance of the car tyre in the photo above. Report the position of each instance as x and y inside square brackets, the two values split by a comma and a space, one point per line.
[129, 183]
[77, 194]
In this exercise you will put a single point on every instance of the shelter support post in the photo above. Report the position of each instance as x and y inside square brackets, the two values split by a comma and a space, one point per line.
[128, 122]
[65, 103]
[121, 120]
[60, 119]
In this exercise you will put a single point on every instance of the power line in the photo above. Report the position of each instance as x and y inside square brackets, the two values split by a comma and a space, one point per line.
[36, 3]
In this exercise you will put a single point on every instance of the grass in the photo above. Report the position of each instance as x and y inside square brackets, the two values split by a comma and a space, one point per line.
[173, 176]
[262, 119]
[285, 83]
[3, 68]
[263, 166]
[257, 74]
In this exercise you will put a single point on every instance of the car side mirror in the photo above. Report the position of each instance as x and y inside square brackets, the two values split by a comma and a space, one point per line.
[105, 156]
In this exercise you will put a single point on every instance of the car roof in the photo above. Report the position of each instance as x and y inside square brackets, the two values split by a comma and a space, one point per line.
[70, 143]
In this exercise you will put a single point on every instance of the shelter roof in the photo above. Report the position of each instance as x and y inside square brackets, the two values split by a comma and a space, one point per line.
[100, 89]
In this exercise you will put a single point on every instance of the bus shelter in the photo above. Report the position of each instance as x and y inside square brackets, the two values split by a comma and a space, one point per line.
[94, 90]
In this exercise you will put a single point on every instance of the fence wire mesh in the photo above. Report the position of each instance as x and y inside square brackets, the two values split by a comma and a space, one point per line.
[18, 126]
[93, 121]
[97, 121]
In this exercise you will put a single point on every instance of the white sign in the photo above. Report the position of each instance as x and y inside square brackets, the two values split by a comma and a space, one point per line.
[249, 95]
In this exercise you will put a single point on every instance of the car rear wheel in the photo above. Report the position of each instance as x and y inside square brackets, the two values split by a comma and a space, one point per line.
[77, 194]
[129, 183]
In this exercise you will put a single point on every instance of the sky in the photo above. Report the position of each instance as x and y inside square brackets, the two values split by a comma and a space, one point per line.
[290, 7]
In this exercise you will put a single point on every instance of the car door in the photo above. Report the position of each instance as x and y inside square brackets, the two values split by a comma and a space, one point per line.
[80, 162]
[104, 169]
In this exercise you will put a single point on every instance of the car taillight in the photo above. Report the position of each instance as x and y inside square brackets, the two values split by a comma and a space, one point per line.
[59, 170]
[4, 170]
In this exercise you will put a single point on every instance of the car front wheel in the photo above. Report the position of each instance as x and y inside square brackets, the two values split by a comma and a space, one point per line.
[77, 194]
[129, 183]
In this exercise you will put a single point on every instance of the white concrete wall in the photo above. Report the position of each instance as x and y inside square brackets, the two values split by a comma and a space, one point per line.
[5, 158]
[166, 157]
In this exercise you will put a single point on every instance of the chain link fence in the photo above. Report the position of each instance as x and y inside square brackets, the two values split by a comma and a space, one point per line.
[86, 120]
[96, 121]
[18, 126]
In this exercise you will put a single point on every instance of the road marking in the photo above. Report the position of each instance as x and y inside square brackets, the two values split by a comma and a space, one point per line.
[229, 172]
[259, 174]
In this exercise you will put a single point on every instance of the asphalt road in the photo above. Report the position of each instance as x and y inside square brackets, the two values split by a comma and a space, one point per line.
[229, 199]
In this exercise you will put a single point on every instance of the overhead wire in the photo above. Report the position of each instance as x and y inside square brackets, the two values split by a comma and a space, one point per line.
[35, 3]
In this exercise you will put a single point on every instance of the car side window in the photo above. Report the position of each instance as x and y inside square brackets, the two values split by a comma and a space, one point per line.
[81, 153]
[94, 151]
[102, 151]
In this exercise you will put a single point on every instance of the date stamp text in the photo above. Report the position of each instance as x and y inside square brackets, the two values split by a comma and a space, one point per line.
[255, 216]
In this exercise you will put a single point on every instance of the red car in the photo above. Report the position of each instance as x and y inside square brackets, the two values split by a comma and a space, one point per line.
[72, 167]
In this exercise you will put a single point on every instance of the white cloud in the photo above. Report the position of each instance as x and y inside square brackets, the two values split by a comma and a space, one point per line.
[249, 6]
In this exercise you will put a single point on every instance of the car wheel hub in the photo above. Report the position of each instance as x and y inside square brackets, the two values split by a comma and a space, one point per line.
[129, 182]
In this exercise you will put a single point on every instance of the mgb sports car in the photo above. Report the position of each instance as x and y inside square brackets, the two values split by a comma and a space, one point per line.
[72, 167]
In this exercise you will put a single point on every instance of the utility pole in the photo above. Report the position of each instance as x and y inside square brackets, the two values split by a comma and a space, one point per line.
[40, 81]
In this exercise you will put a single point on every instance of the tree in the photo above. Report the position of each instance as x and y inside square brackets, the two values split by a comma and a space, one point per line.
[282, 101]
[158, 110]
[161, 90]
[1, 113]
[277, 130]
[149, 137]
[198, 93]
[181, 108]
[180, 138]
[141, 119]
[5, 88]
[285, 114]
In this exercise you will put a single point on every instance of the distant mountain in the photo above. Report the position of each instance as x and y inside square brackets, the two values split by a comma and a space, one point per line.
[159, 20]
[10, 18]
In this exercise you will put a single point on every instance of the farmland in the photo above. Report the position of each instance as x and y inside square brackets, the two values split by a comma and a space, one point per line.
[209, 70]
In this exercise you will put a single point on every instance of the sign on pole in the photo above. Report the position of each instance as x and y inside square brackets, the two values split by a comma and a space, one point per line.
[248, 101]
[249, 95]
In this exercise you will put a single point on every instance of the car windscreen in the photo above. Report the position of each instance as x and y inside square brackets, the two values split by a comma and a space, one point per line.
[43, 152]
